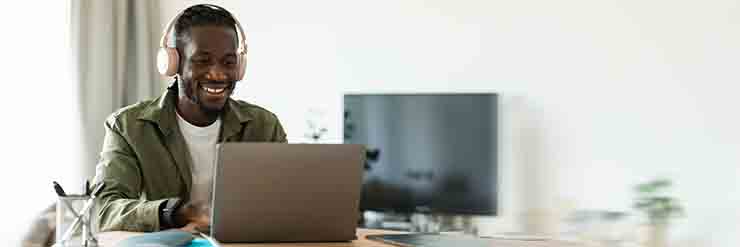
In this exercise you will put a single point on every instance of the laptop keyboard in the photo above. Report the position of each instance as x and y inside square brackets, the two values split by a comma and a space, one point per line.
[431, 240]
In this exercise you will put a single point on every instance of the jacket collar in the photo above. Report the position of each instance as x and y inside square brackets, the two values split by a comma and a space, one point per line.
[161, 111]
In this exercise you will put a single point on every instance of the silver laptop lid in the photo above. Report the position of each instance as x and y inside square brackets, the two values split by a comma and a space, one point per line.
[273, 192]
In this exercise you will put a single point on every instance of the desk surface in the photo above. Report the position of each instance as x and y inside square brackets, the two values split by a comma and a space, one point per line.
[107, 239]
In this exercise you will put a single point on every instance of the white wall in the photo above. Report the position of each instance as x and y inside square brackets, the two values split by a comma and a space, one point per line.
[39, 144]
[597, 95]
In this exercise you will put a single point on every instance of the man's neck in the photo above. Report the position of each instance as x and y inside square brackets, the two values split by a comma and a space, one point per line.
[193, 114]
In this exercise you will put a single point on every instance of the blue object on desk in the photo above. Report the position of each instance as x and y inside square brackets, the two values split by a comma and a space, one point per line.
[199, 242]
[157, 239]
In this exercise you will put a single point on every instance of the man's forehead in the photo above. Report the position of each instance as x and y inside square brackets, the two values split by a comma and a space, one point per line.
[212, 39]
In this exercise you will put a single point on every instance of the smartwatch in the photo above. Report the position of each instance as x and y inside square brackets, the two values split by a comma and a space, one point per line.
[167, 213]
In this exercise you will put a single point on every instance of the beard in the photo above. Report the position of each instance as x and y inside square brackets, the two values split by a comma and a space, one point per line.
[193, 90]
[209, 111]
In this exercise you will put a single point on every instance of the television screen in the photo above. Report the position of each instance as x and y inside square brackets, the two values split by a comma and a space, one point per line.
[426, 152]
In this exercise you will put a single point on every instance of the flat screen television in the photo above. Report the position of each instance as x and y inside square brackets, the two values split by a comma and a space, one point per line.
[433, 153]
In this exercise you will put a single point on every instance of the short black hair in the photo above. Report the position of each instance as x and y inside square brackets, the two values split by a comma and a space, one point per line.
[201, 15]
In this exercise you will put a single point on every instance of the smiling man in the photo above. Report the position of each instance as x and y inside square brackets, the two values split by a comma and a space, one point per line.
[158, 155]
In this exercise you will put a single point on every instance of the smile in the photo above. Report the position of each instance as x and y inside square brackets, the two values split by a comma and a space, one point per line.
[213, 90]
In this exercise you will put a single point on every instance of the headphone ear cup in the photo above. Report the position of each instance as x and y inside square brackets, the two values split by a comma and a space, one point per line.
[167, 61]
[241, 66]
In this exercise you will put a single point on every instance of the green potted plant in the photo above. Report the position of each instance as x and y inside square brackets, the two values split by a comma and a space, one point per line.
[653, 200]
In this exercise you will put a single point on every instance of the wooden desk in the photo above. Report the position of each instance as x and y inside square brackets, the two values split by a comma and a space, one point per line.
[107, 239]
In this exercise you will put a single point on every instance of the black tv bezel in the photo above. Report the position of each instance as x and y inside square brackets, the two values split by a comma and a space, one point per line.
[496, 203]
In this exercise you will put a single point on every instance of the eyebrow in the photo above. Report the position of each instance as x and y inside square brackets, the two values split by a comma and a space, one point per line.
[201, 53]
[206, 53]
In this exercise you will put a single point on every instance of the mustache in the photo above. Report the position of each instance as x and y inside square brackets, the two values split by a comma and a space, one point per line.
[229, 84]
[194, 96]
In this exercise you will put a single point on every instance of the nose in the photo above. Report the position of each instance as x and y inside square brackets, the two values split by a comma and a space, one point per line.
[216, 73]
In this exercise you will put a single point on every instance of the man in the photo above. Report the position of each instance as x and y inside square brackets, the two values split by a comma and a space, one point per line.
[158, 155]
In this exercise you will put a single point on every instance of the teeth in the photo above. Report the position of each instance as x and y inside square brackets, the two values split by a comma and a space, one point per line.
[214, 90]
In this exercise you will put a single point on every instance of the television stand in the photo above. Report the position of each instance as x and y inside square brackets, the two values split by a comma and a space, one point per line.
[419, 222]
[386, 221]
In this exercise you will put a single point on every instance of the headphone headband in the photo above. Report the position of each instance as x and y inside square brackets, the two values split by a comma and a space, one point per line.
[241, 34]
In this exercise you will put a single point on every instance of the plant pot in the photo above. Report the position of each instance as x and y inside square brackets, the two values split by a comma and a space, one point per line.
[657, 235]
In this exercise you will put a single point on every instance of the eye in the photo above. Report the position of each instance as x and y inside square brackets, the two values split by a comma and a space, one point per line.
[230, 62]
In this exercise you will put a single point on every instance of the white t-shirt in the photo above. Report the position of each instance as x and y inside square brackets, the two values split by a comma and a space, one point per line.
[201, 142]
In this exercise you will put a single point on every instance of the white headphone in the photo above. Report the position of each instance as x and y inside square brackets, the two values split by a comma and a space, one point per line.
[168, 58]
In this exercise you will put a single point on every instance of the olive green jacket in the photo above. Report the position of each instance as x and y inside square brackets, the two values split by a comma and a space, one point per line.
[145, 161]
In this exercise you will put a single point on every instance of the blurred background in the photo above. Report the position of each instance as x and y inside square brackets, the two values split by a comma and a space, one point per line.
[594, 96]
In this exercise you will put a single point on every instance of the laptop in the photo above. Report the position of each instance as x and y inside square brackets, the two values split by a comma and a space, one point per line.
[276, 192]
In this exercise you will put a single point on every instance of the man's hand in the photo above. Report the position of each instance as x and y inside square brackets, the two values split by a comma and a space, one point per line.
[194, 216]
